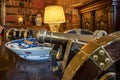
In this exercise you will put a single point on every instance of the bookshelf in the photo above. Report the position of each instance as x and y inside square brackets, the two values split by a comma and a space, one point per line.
[28, 9]
[15, 9]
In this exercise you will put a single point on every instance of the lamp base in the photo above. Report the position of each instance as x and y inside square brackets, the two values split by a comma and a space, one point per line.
[54, 27]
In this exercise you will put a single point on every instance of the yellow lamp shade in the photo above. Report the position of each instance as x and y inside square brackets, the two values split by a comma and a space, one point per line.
[54, 14]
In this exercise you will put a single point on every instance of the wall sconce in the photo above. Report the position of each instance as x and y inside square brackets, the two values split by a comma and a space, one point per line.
[54, 15]
[20, 20]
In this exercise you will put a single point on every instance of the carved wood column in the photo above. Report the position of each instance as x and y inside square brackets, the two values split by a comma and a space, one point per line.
[111, 19]
[3, 13]
[93, 19]
[115, 17]
[116, 13]
[80, 21]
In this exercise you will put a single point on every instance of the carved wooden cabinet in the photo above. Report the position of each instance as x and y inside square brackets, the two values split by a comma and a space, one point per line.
[100, 15]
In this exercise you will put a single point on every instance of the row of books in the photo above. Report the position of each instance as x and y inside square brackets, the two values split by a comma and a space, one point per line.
[11, 18]
[15, 10]
[37, 4]
[17, 3]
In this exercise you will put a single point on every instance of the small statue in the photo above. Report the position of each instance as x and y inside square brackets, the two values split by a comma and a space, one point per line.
[38, 20]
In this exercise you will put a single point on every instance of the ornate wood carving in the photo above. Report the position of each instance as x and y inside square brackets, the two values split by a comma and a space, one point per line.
[101, 20]
[86, 21]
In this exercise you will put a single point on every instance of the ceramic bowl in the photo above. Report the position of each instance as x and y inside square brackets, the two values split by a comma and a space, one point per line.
[29, 49]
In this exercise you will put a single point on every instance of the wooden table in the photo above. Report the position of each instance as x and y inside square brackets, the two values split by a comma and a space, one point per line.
[13, 67]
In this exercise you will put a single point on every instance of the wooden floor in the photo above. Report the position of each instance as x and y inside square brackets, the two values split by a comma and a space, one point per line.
[14, 68]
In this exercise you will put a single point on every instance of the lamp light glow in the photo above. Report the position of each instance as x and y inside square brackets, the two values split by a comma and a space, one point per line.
[54, 15]
[20, 20]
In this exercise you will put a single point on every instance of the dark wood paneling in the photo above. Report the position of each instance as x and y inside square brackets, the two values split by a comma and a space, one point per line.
[102, 15]
[101, 20]
[86, 21]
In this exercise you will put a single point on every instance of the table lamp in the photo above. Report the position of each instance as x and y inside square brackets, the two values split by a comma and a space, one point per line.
[54, 15]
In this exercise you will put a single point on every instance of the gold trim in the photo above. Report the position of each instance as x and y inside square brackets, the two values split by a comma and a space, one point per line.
[85, 53]
[7, 34]
[105, 76]
[25, 34]
[14, 34]
[78, 60]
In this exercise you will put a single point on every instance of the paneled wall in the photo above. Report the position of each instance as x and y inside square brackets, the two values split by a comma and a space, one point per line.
[94, 14]
[72, 16]
[100, 15]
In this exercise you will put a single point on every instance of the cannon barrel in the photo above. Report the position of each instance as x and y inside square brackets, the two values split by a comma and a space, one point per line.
[52, 37]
